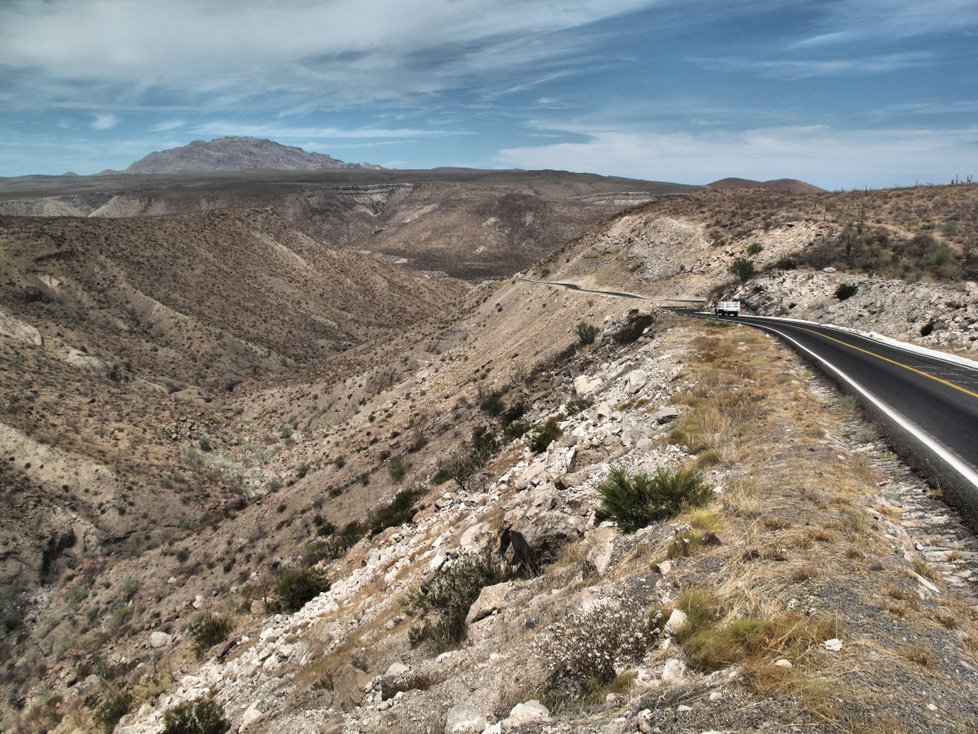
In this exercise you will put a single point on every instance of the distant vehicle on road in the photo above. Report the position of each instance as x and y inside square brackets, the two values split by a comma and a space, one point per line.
[727, 308]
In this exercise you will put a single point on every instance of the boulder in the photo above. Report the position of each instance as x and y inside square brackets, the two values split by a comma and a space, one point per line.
[601, 547]
[348, 686]
[673, 671]
[465, 719]
[677, 622]
[526, 713]
[584, 385]
[491, 599]
[636, 380]
[159, 639]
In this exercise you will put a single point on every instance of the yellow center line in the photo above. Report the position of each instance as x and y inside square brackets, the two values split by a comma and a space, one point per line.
[891, 361]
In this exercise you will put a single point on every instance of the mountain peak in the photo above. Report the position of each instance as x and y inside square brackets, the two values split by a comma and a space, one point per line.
[237, 153]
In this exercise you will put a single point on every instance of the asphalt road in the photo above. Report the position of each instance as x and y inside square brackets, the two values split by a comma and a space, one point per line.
[925, 399]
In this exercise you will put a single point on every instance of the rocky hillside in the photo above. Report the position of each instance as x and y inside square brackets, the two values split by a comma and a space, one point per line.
[806, 581]
[236, 154]
[470, 224]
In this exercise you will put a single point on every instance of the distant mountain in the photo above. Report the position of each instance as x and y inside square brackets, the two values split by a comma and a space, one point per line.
[237, 154]
[790, 185]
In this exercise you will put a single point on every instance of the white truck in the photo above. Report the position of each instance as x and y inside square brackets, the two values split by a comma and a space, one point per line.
[727, 308]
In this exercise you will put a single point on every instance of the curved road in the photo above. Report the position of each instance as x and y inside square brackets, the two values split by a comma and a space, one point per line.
[929, 404]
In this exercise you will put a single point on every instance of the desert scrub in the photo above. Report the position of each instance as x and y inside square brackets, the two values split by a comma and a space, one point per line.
[585, 650]
[542, 436]
[208, 632]
[587, 333]
[112, 709]
[711, 645]
[635, 325]
[846, 291]
[399, 511]
[637, 501]
[296, 586]
[743, 268]
[441, 607]
[200, 716]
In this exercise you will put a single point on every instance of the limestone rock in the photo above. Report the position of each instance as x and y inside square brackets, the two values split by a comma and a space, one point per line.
[465, 719]
[584, 385]
[348, 685]
[677, 621]
[491, 599]
[667, 414]
[673, 671]
[159, 639]
[526, 713]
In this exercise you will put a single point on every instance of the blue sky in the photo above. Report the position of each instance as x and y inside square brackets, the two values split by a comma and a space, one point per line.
[841, 93]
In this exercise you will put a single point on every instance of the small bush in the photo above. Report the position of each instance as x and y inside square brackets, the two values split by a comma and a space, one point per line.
[584, 650]
[634, 502]
[200, 716]
[397, 468]
[543, 436]
[441, 607]
[399, 511]
[743, 268]
[846, 290]
[927, 329]
[493, 404]
[516, 429]
[208, 632]
[635, 325]
[112, 709]
[587, 333]
[755, 248]
[296, 586]
[513, 413]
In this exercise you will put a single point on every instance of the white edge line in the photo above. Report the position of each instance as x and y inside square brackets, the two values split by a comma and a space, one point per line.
[953, 461]
[872, 335]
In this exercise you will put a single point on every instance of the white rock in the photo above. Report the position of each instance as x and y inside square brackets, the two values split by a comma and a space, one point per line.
[676, 622]
[784, 663]
[395, 670]
[496, 728]
[716, 696]
[250, 716]
[636, 380]
[833, 645]
[673, 671]
[525, 713]
[465, 719]
[159, 639]
[584, 385]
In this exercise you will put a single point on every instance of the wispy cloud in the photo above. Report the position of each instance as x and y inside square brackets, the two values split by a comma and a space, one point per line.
[847, 21]
[344, 50]
[283, 132]
[104, 121]
[808, 68]
[167, 125]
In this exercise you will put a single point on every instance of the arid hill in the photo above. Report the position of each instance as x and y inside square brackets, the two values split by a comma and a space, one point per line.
[470, 224]
[789, 185]
[236, 154]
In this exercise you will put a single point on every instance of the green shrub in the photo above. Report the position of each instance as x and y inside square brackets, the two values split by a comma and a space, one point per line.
[493, 404]
[846, 290]
[296, 586]
[587, 333]
[200, 716]
[516, 429]
[542, 436]
[755, 248]
[112, 709]
[397, 468]
[928, 328]
[208, 632]
[441, 608]
[513, 413]
[743, 268]
[398, 511]
[634, 502]
[635, 325]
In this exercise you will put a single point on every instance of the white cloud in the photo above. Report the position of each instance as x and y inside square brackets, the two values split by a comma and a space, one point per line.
[383, 48]
[216, 128]
[167, 125]
[104, 121]
[821, 155]
[808, 68]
